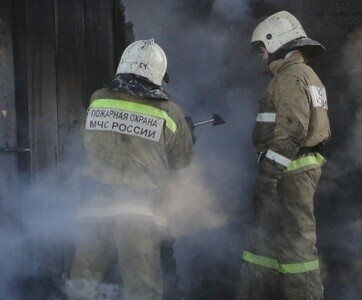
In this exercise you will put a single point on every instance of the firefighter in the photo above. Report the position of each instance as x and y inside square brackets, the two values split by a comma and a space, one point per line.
[280, 255]
[134, 135]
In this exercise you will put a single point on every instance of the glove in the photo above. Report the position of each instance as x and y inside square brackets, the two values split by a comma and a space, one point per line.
[190, 124]
[268, 177]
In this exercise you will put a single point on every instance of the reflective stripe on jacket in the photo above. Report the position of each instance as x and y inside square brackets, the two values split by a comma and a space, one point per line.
[306, 161]
[134, 107]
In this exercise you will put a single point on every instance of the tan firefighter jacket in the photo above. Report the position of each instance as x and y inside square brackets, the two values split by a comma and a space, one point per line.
[292, 115]
[134, 141]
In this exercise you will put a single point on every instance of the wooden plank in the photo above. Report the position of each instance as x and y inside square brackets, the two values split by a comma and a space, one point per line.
[70, 71]
[99, 44]
[46, 259]
[8, 161]
[21, 85]
[42, 89]
[122, 31]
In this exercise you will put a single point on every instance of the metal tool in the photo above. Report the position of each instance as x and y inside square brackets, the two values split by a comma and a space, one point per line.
[216, 120]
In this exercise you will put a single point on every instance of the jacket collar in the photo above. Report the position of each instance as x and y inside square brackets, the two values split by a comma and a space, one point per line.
[136, 85]
[279, 65]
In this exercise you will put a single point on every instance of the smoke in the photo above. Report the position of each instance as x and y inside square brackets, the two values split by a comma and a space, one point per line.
[90, 288]
[211, 71]
[210, 68]
[339, 210]
[193, 204]
[9, 260]
[230, 10]
[352, 61]
[207, 45]
[345, 161]
[37, 240]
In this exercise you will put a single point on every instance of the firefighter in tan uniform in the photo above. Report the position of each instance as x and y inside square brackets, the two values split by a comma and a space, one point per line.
[133, 135]
[280, 255]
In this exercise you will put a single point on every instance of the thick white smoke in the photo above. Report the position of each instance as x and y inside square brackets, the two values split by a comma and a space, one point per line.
[211, 71]
[338, 205]
[210, 68]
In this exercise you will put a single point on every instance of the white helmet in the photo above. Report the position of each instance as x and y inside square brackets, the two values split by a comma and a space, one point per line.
[144, 58]
[278, 30]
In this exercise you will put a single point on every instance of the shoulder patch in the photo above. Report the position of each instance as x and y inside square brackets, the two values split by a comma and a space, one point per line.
[319, 96]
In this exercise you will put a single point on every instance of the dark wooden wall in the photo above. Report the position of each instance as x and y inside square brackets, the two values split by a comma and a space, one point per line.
[8, 161]
[53, 56]
[70, 49]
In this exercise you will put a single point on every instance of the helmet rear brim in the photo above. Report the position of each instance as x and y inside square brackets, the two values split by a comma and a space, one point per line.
[310, 48]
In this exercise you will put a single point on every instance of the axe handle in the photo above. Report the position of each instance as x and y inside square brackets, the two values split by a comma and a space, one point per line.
[204, 122]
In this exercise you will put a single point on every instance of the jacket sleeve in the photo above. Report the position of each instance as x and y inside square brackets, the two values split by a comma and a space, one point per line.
[291, 123]
[179, 145]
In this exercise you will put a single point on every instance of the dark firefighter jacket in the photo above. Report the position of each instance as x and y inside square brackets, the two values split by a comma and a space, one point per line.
[292, 116]
[134, 141]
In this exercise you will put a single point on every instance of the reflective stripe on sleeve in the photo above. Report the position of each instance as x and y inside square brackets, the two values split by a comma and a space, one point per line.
[306, 160]
[261, 260]
[266, 117]
[280, 159]
[122, 210]
[281, 268]
[137, 108]
[299, 267]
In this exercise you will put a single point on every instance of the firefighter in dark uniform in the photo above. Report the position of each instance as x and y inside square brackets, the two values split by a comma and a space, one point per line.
[134, 135]
[280, 255]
